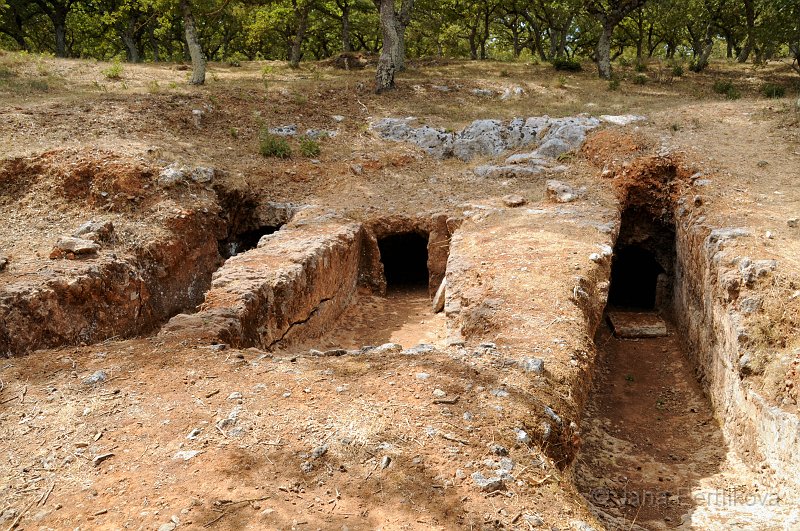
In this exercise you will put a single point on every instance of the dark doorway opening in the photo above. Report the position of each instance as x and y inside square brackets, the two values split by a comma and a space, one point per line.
[405, 260]
[634, 279]
[245, 240]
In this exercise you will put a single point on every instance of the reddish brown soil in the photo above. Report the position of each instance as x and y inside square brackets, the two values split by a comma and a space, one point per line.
[651, 434]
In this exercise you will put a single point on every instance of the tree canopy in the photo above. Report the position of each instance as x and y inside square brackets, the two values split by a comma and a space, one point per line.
[297, 30]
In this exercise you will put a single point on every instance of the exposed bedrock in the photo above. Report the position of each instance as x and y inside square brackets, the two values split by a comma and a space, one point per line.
[304, 274]
[713, 292]
[113, 296]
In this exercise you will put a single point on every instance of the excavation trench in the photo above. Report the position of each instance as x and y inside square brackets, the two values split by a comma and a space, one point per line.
[650, 433]
[325, 283]
[668, 400]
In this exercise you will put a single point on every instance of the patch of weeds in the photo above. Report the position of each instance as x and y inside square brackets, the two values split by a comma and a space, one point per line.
[504, 73]
[675, 128]
[299, 99]
[270, 145]
[622, 61]
[677, 71]
[727, 88]
[39, 85]
[42, 68]
[613, 83]
[234, 132]
[114, 71]
[640, 67]
[172, 85]
[214, 76]
[309, 147]
[6, 73]
[640, 79]
[153, 87]
[628, 377]
[773, 90]
[567, 65]
[567, 156]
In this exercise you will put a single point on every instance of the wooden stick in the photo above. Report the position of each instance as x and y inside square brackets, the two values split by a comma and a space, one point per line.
[449, 401]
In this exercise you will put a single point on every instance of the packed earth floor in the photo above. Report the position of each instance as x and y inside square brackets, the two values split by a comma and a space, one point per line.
[413, 328]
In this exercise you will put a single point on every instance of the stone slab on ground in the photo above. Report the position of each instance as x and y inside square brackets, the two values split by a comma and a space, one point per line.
[637, 324]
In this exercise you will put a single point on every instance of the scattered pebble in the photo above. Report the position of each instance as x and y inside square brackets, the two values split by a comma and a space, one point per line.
[96, 378]
[185, 455]
[514, 200]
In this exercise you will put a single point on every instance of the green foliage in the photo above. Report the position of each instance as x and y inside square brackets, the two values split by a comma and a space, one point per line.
[309, 147]
[727, 88]
[640, 79]
[235, 31]
[773, 90]
[567, 65]
[271, 145]
[613, 83]
[114, 71]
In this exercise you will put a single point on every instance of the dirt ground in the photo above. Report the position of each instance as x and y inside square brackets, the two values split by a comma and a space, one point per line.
[185, 434]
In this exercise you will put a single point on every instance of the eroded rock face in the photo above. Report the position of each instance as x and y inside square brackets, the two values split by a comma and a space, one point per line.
[111, 296]
[297, 281]
[552, 136]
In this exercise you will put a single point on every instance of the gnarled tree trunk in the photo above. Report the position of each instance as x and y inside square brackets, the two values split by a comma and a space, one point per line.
[193, 43]
[301, 13]
[384, 78]
[347, 45]
[603, 52]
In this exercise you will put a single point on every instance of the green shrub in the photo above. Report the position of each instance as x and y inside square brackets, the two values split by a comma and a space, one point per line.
[773, 90]
[677, 70]
[114, 71]
[727, 88]
[640, 67]
[623, 61]
[640, 79]
[567, 65]
[722, 86]
[309, 147]
[613, 83]
[271, 145]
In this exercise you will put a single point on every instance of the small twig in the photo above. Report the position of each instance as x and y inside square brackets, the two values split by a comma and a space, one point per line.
[449, 401]
[231, 504]
[454, 439]
[43, 498]
[371, 471]
[16, 521]
[212, 393]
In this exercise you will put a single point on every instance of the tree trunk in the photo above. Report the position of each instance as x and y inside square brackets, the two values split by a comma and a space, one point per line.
[473, 43]
[399, 49]
[701, 62]
[154, 44]
[59, 18]
[193, 43]
[128, 36]
[132, 50]
[604, 51]
[750, 17]
[347, 47]
[301, 13]
[384, 77]
[705, 54]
